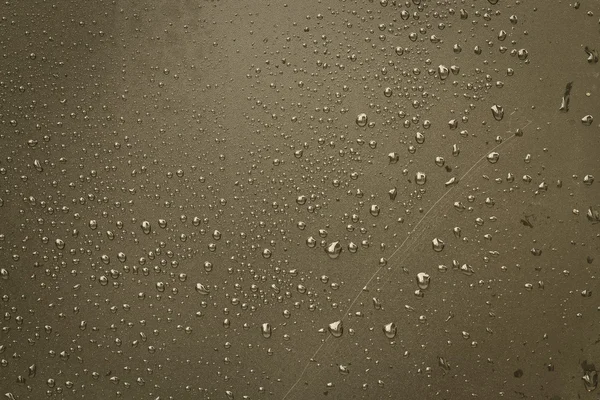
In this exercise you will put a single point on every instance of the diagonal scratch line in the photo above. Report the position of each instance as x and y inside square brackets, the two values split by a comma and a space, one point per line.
[408, 236]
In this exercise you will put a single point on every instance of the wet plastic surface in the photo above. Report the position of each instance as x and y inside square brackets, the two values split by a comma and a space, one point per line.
[302, 200]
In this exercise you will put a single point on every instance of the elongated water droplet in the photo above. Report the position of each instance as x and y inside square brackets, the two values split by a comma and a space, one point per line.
[374, 210]
[437, 244]
[497, 112]
[443, 72]
[200, 288]
[146, 227]
[266, 330]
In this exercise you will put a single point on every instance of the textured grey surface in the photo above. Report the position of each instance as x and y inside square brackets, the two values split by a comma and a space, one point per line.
[140, 141]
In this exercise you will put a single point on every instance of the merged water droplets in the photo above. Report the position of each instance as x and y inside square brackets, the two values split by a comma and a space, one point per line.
[202, 289]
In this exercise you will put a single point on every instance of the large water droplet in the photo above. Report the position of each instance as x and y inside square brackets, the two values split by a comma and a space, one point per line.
[362, 119]
[334, 250]
[423, 280]
[493, 157]
[266, 330]
[374, 210]
[146, 227]
[336, 328]
[420, 178]
[438, 244]
[390, 330]
[497, 112]
[200, 288]
[443, 72]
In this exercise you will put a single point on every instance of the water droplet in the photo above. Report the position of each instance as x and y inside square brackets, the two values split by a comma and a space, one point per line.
[420, 178]
[390, 330]
[334, 250]
[437, 244]
[266, 330]
[443, 72]
[522, 54]
[146, 227]
[590, 380]
[374, 210]
[362, 119]
[423, 280]
[336, 329]
[200, 288]
[493, 157]
[393, 158]
[497, 112]
[393, 193]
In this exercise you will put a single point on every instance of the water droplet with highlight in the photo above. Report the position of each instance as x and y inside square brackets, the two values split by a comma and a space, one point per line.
[336, 329]
[437, 244]
[266, 330]
[390, 330]
[334, 250]
[423, 280]
[497, 112]
[362, 119]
